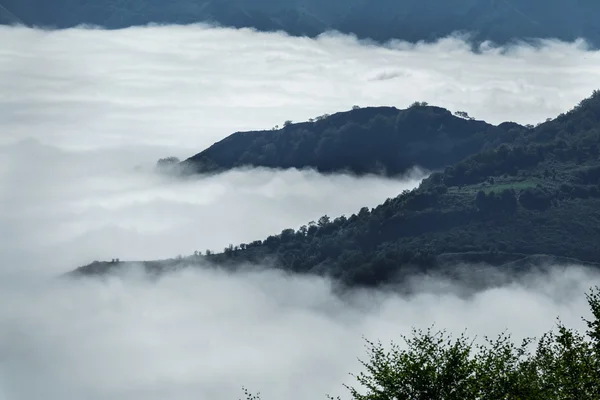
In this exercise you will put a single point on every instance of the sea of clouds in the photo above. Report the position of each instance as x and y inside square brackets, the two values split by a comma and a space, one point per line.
[85, 114]
[188, 86]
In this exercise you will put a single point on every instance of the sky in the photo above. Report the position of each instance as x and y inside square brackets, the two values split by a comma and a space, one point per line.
[84, 116]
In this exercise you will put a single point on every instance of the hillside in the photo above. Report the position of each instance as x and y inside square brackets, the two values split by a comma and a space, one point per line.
[501, 21]
[365, 140]
[536, 199]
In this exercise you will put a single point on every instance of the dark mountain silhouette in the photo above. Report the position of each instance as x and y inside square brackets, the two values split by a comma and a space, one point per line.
[501, 21]
[368, 140]
[7, 17]
[534, 198]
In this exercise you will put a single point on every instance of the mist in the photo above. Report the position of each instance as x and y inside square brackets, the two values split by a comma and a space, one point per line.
[205, 333]
[61, 209]
[185, 87]
[85, 114]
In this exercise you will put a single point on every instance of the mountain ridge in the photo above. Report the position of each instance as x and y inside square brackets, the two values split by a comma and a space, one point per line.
[500, 21]
[538, 195]
[379, 140]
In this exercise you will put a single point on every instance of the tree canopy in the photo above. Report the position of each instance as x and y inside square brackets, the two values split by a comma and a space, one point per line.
[411, 20]
[379, 140]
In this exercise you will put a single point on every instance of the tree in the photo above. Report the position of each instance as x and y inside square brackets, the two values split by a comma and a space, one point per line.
[303, 230]
[481, 200]
[167, 164]
[434, 366]
[508, 200]
[323, 221]
[535, 199]
[287, 235]
[364, 212]
[167, 161]
[505, 201]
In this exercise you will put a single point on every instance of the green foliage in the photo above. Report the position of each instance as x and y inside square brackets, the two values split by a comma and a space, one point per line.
[433, 367]
[167, 163]
[503, 202]
[525, 194]
[411, 20]
[538, 195]
[380, 140]
[535, 199]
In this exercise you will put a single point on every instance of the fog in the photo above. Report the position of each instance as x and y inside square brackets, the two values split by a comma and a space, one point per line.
[61, 208]
[187, 87]
[84, 116]
[202, 334]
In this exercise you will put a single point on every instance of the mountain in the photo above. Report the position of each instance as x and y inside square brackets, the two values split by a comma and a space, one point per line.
[7, 17]
[516, 205]
[501, 21]
[364, 140]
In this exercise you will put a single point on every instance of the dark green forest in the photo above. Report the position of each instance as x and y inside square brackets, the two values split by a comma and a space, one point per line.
[531, 194]
[380, 140]
[382, 20]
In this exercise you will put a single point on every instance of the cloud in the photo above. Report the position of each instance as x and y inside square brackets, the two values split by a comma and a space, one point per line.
[63, 208]
[186, 87]
[84, 115]
[203, 334]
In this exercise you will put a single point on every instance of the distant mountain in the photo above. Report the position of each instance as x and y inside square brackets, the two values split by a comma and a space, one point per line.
[524, 203]
[501, 21]
[381, 140]
[7, 17]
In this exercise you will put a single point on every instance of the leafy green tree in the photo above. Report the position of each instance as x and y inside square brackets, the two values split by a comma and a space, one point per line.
[433, 366]
[323, 221]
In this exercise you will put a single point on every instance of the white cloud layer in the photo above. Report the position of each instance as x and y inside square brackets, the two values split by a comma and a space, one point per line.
[202, 334]
[84, 114]
[189, 86]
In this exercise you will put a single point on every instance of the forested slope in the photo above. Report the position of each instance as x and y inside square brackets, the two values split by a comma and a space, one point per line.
[539, 195]
[381, 140]
[382, 20]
